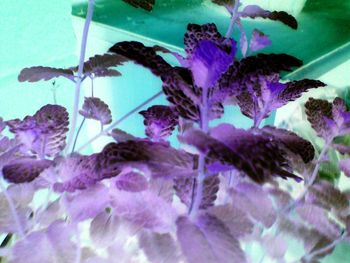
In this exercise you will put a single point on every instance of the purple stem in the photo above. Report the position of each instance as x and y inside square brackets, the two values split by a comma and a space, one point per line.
[80, 76]
[234, 17]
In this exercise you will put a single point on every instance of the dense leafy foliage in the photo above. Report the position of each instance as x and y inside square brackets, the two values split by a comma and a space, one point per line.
[210, 199]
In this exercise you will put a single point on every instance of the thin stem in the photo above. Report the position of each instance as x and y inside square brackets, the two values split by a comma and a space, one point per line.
[234, 17]
[92, 86]
[204, 125]
[80, 76]
[13, 211]
[78, 132]
[312, 178]
[117, 122]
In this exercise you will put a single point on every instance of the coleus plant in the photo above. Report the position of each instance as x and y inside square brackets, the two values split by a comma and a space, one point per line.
[222, 191]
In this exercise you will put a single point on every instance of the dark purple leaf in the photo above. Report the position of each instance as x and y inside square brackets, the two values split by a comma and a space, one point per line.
[160, 159]
[159, 248]
[131, 182]
[94, 108]
[185, 191]
[160, 121]
[208, 240]
[328, 119]
[44, 133]
[24, 171]
[254, 11]
[223, 2]
[342, 149]
[140, 54]
[291, 141]
[258, 40]
[35, 74]
[255, 155]
[99, 65]
[144, 4]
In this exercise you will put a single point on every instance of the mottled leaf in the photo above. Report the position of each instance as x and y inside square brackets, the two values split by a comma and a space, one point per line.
[25, 170]
[94, 108]
[254, 11]
[122, 136]
[144, 4]
[185, 190]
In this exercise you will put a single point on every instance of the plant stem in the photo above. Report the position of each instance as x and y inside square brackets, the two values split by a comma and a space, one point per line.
[204, 125]
[312, 178]
[117, 122]
[13, 211]
[88, 19]
[78, 132]
[234, 17]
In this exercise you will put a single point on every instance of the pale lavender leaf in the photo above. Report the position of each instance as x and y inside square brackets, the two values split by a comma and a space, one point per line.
[51, 213]
[275, 245]
[144, 209]
[49, 245]
[253, 200]
[344, 166]
[131, 182]
[208, 240]
[318, 218]
[243, 41]
[21, 194]
[258, 40]
[104, 228]
[159, 248]
[86, 204]
[94, 108]
[235, 219]
[163, 188]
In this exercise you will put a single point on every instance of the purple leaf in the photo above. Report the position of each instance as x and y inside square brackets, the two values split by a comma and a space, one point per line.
[94, 108]
[291, 141]
[252, 199]
[208, 240]
[144, 4]
[35, 74]
[158, 158]
[24, 170]
[103, 229]
[243, 41]
[159, 248]
[254, 11]
[235, 219]
[328, 119]
[275, 245]
[44, 133]
[160, 121]
[122, 136]
[258, 40]
[21, 194]
[50, 245]
[318, 218]
[131, 182]
[185, 191]
[208, 63]
[255, 155]
[144, 209]
[164, 188]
